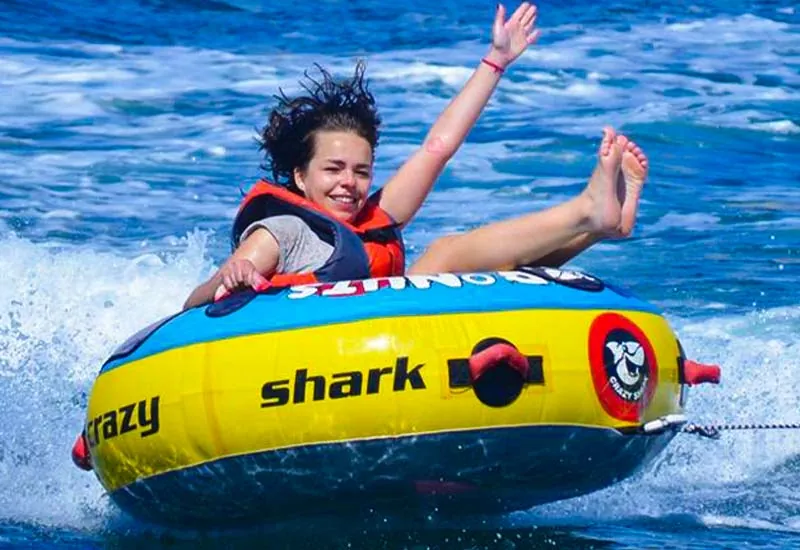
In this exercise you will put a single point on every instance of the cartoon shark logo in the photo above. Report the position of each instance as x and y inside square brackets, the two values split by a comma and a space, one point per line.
[628, 361]
[623, 364]
[626, 365]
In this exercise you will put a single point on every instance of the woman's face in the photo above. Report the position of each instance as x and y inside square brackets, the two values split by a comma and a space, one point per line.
[339, 174]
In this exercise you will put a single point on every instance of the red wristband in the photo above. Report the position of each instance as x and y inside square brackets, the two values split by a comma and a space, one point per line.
[497, 68]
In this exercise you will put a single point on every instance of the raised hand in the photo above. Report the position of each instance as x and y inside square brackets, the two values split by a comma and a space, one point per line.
[511, 38]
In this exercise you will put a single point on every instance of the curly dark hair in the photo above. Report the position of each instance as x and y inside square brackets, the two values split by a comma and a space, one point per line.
[288, 137]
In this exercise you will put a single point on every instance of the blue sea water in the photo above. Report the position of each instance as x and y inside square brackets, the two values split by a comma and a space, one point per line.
[127, 130]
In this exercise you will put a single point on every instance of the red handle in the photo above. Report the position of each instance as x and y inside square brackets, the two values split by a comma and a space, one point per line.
[495, 355]
[698, 373]
[80, 454]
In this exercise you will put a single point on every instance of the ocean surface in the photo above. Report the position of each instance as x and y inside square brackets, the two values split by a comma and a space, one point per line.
[127, 132]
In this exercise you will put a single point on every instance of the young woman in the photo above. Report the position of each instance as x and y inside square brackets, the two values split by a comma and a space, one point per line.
[318, 222]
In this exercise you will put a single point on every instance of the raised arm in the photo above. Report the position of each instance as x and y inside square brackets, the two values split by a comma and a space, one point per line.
[405, 192]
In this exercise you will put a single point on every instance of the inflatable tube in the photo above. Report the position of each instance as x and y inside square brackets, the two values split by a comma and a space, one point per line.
[482, 392]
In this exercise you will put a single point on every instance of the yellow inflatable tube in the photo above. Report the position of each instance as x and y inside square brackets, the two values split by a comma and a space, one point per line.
[479, 392]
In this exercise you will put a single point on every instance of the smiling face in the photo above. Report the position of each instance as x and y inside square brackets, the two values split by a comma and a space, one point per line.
[339, 173]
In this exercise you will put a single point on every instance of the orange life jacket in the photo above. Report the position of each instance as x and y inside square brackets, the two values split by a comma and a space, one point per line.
[371, 246]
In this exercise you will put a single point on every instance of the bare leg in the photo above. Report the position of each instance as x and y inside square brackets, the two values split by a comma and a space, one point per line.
[559, 257]
[524, 240]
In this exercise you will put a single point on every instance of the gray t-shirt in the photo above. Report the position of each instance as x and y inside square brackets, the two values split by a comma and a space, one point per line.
[301, 250]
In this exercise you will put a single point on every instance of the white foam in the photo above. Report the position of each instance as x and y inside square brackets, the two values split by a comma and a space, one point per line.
[12, 68]
[778, 127]
[423, 73]
[62, 311]
[62, 213]
[725, 29]
[77, 76]
[746, 523]
[695, 221]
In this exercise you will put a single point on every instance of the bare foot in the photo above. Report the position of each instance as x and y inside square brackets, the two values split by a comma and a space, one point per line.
[629, 183]
[604, 205]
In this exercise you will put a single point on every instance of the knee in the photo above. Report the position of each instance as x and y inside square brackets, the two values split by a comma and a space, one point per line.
[438, 257]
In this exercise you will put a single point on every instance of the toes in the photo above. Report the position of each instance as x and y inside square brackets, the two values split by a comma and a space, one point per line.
[635, 150]
[605, 145]
[609, 141]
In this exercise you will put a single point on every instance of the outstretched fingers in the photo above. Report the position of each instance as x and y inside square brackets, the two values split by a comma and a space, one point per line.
[519, 13]
[528, 23]
[528, 18]
[511, 38]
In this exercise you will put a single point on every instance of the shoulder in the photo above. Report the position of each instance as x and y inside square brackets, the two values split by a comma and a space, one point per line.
[283, 227]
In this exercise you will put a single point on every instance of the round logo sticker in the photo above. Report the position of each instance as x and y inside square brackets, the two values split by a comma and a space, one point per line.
[624, 369]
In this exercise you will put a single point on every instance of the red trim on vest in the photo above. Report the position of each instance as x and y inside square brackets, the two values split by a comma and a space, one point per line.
[385, 259]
